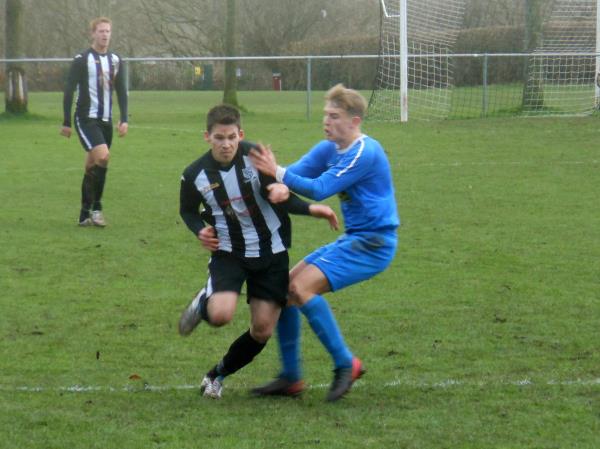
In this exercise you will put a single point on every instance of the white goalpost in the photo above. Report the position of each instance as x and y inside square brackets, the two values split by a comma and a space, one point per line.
[597, 88]
[417, 37]
[419, 70]
[403, 56]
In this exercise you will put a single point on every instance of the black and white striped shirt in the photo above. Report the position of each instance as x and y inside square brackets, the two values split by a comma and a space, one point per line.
[95, 75]
[235, 202]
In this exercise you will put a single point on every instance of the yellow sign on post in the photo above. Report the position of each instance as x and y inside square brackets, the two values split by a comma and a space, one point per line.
[198, 70]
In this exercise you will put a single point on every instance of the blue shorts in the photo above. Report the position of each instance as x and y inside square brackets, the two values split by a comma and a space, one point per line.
[93, 132]
[356, 257]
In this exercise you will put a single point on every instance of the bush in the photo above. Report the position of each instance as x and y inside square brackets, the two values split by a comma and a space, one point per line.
[506, 39]
[354, 73]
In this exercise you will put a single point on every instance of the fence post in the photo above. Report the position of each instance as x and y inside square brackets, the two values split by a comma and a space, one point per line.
[125, 67]
[485, 85]
[597, 74]
[403, 24]
[308, 86]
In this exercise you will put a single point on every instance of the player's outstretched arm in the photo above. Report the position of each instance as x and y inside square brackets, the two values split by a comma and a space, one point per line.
[323, 211]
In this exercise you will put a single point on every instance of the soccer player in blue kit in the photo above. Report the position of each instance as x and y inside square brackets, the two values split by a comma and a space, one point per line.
[353, 166]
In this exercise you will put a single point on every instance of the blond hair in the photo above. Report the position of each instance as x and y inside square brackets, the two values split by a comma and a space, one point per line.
[97, 21]
[349, 100]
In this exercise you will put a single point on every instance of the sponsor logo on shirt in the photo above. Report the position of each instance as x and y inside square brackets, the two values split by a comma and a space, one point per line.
[209, 187]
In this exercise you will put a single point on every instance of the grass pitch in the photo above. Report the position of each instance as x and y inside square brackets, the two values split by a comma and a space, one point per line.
[482, 334]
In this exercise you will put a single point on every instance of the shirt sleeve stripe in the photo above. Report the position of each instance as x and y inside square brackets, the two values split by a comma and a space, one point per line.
[354, 161]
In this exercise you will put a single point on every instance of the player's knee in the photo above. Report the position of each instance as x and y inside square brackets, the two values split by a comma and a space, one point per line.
[296, 294]
[103, 159]
[220, 317]
[99, 155]
[293, 292]
[261, 332]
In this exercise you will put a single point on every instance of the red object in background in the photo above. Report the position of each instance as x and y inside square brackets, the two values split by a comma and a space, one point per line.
[276, 81]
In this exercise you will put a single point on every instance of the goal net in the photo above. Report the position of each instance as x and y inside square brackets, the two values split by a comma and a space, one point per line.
[561, 75]
[431, 30]
[442, 59]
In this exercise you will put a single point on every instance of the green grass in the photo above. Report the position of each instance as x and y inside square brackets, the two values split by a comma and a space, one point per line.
[505, 100]
[501, 100]
[482, 334]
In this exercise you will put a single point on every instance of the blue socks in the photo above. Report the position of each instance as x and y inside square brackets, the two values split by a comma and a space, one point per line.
[288, 332]
[323, 323]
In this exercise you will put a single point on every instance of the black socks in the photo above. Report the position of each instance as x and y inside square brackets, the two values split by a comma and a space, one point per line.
[99, 180]
[241, 352]
[87, 194]
[92, 188]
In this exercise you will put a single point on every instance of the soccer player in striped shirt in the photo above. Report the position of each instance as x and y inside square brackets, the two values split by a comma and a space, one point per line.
[95, 73]
[353, 166]
[247, 237]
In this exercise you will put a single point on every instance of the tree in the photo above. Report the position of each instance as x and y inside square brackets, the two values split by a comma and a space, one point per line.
[486, 13]
[230, 89]
[65, 35]
[16, 82]
[184, 28]
[287, 21]
[193, 28]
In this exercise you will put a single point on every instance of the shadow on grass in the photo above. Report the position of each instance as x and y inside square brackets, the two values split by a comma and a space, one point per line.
[25, 117]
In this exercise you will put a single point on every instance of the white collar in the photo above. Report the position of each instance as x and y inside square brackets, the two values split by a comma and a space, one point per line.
[344, 150]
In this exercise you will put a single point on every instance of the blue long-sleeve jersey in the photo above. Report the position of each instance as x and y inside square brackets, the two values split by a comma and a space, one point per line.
[360, 175]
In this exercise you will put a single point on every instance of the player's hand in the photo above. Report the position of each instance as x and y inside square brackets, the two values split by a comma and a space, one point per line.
[263, 159]
[278, 193]
[323, 211]
[123, 127]
[65, 131]
[208, 238]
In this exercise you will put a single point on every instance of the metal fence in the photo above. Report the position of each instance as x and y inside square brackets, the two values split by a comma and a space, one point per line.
[483, 84]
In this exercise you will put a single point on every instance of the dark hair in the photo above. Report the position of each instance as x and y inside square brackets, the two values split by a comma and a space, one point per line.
[223, 114]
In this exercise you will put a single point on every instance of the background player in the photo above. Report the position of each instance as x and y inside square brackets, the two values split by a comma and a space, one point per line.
[95, 73]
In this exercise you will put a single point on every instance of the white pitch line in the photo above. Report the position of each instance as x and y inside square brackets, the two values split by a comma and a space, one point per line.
[138, 386]
[497, 163]
[517, 383]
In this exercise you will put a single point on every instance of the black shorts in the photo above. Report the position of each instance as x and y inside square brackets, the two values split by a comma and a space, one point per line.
[93, 132]
[266, 277]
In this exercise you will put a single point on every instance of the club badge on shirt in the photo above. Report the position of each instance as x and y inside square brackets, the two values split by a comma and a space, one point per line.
[248, 174]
